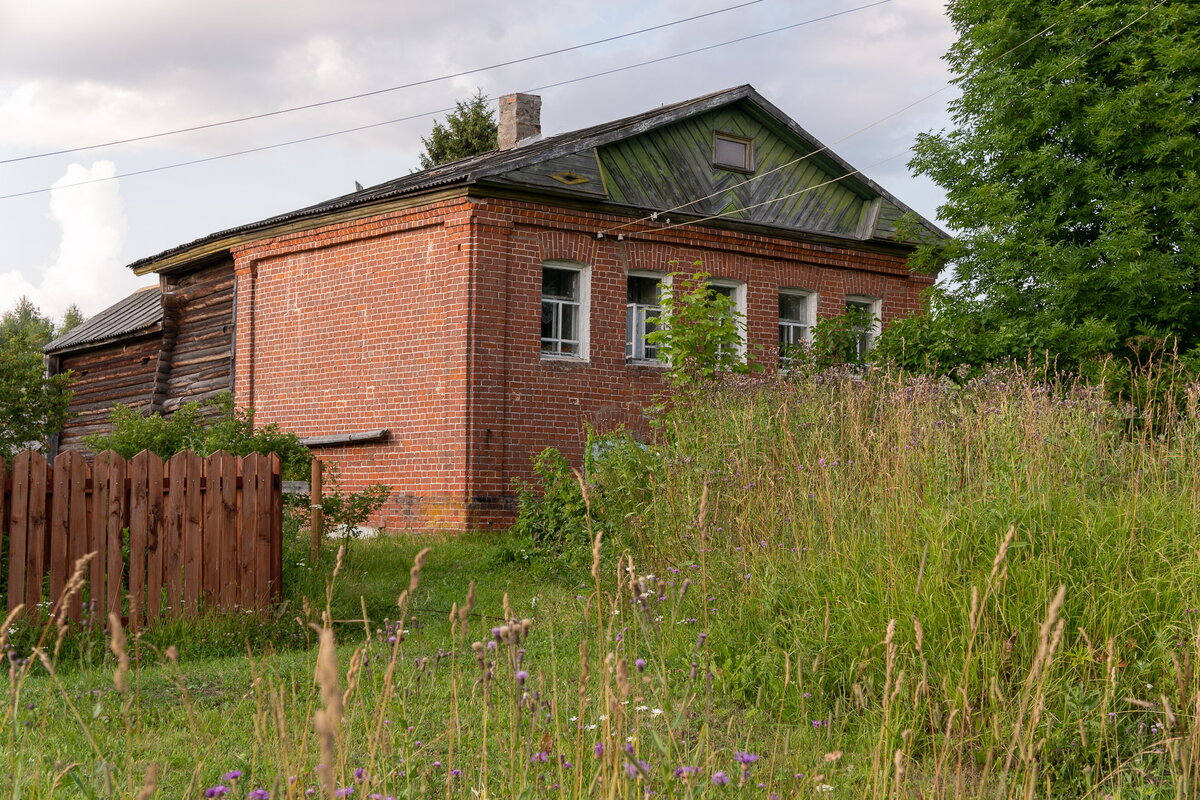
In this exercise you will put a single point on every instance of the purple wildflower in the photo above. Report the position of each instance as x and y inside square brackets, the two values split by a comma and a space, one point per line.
[540, 757]
[720, 778]
[456, 773]
[220, 790]
[522, 676]
[746, 758]
[232, 775]
[598, 749]
[345, 791]
[360, 774]
[640, 664]
[683, 772]
[260, 794]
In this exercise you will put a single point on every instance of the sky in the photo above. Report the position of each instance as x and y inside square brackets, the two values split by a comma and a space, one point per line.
[78, 73]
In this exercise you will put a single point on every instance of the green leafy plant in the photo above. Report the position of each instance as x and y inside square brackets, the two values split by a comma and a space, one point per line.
[469, 130]
[204, 428]
[699, 332]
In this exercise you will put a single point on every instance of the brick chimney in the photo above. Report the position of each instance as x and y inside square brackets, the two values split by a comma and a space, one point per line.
[520, 119]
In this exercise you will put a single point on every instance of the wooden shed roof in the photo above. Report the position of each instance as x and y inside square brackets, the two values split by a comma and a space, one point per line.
[140, 312]
[494, 166]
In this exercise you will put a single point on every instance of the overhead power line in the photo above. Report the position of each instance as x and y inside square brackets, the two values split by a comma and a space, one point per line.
[374, 92]
[358, 128]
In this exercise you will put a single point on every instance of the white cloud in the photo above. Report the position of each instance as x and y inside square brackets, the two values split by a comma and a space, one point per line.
[86, 269]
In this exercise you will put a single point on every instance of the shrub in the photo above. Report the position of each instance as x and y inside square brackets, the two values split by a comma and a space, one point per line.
[204, 428]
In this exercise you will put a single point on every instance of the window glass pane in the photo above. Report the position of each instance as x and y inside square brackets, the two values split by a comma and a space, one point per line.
[793, 307]
[865, 305]
[732, 153]
[725, 290]
[570, 328]
[547, 321]
[559, 282]
[643, 290]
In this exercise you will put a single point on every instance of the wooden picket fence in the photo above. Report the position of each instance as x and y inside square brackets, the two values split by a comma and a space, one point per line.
[169, 538]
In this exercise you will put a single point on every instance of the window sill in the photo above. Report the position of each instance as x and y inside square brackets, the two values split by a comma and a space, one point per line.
[555, 358]
[646, 362]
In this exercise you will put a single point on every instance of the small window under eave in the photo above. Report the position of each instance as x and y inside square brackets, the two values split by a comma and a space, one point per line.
[733, 152]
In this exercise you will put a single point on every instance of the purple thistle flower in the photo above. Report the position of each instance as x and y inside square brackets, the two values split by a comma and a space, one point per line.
[640, 664]
[259, 794]
[345, 791]
[360, 774]
[219, 790]
[683, 772]
[456, 773]
[631, 770]
[598, 749]
[746, 758]
[232, 775]
[540, 757]
[522, 676]
[437, 764]
[720, 778]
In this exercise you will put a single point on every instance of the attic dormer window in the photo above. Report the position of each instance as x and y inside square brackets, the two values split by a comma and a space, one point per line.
[733, 152]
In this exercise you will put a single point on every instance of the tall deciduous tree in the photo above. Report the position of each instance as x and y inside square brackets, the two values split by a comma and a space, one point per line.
[1073, 177]
[469, 130]
[32, 406]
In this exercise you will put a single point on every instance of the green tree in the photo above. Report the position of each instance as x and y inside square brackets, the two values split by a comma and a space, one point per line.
[699, 332]
[1072, 174]
[32, 406]
[469, 130]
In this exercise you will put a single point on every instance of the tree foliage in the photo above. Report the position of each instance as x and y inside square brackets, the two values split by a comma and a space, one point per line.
[469, 130]
[699, 331]
[203, 428]
[1073, 176]
[32, 406]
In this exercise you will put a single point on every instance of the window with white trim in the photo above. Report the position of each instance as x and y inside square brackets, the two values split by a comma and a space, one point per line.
[735, 291]
[796, 315]
[564, 310]
[868, 333]
[642, 306]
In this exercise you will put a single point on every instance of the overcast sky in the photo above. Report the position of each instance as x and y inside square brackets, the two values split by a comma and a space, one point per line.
[80, 72]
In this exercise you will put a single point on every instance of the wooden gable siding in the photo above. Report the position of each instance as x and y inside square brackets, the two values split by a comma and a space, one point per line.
[574, 166]
[196, 361]
[669, 166]
[104, 377]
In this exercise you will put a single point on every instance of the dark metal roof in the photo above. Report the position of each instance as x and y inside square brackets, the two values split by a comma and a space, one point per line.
[141, 312]
[498, 162]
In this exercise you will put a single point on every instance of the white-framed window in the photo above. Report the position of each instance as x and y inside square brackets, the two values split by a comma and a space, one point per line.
[564, 310]
[731, 151]
[643, 295]
[797, 314]
[866, 335]
[735, 291]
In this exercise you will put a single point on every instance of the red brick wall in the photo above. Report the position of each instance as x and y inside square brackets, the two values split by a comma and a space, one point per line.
[521, 403]
[362, 325]
[426, 322]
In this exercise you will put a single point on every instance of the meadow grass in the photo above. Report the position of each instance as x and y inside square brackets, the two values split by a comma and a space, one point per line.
[885, 587]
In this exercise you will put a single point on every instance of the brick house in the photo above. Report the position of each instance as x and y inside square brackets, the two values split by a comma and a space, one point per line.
[435, 332]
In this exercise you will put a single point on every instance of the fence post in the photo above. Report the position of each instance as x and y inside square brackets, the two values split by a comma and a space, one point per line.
[316, 514]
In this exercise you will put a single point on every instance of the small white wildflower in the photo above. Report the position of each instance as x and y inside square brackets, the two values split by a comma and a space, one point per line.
[656, 711]
[824, 787]
[574, 719]
[642, 708]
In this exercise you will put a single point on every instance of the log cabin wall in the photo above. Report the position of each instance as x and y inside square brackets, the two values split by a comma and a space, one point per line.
[117, 374]
[197, 345]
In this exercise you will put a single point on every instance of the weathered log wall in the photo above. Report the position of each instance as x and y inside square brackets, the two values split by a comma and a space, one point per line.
[116, 374]
[197, 336]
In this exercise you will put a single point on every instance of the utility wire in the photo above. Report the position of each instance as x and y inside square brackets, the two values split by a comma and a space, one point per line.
[731, 212]
[439, 111]
[863, 129]
[374, 92]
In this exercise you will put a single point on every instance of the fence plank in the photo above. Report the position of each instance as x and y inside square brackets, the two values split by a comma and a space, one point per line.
[155, 536]
[139, 523]
[18, 530]
[113, 525]
[247, 541]
[5, 539]
[97, 540]
[77, 539]
[64, 495]
[176, 514]
[263, 529]
[39, 541]
[192, 533]
[276, 519]
[220, 531]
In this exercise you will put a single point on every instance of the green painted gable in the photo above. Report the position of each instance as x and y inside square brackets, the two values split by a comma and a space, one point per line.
[667, 167]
